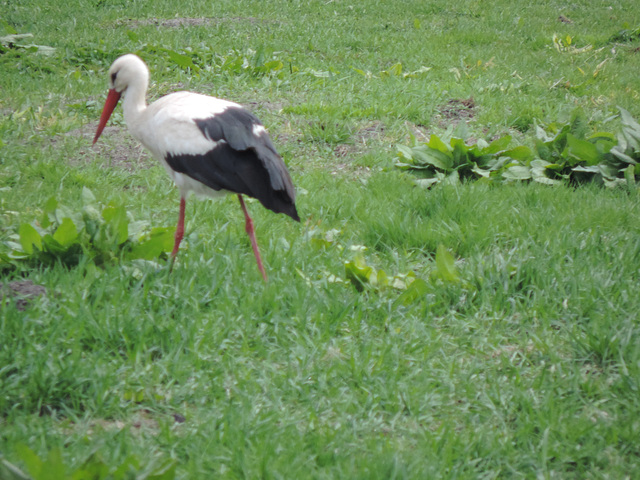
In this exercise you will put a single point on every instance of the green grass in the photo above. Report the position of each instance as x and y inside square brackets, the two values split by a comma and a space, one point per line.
[526, 364]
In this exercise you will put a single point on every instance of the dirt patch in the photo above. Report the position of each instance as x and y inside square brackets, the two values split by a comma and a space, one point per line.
[185, 22]
[457, 110]
[371, 132]
[22, 291]
[254, 106]
[344, 150]
[420, 132]
[361, 140]
[115, 145]
[141, 422]
[450, 113]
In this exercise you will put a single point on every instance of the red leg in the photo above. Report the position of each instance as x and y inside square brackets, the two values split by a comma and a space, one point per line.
[179, 228]
[252, 235]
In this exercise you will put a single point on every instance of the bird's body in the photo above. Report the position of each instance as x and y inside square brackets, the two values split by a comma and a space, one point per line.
[209, 146]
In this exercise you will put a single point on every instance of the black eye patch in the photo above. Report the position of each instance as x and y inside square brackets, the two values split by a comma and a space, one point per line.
[113, 77]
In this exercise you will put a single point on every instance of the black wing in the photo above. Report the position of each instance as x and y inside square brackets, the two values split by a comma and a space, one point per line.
[243, 161]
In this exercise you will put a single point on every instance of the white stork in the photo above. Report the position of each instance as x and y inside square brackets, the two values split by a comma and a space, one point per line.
[209, 146]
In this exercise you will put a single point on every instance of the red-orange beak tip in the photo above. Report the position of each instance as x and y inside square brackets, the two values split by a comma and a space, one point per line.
[109, 106]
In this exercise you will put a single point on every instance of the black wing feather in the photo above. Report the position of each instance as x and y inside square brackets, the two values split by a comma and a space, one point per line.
[236, 126]
[241, 162]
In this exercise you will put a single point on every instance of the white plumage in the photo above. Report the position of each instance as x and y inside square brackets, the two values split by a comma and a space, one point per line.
[209, 146]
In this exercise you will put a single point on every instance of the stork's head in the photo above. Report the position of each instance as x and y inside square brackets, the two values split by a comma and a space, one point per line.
[127, 72]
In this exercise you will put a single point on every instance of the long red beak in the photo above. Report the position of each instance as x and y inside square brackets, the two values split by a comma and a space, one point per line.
[109, 105]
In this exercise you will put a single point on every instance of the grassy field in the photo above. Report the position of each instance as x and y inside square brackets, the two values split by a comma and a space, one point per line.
[505, 342]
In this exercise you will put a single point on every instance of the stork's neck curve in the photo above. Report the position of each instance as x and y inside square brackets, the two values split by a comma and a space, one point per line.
[134, 103]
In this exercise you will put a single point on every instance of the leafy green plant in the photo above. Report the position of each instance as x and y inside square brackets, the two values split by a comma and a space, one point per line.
[54, 467]
[561, 153]
[17, 41]
[451, 159]
[102, 233]
[257, 63]
[565, 45]
[364, 276]
[627, 34]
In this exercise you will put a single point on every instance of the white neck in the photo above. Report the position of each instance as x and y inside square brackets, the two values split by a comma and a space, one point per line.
[134, 103]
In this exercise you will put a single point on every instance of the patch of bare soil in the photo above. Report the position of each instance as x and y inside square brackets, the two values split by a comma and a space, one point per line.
[254, 106]
[184, 22]
[370, 133]
[115, 145]
[22, 291]
[361, 140]
[420, 132]
[456, 110]
[142, 422]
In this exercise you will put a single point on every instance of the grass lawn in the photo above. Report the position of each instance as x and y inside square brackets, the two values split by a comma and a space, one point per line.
[496, 334]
